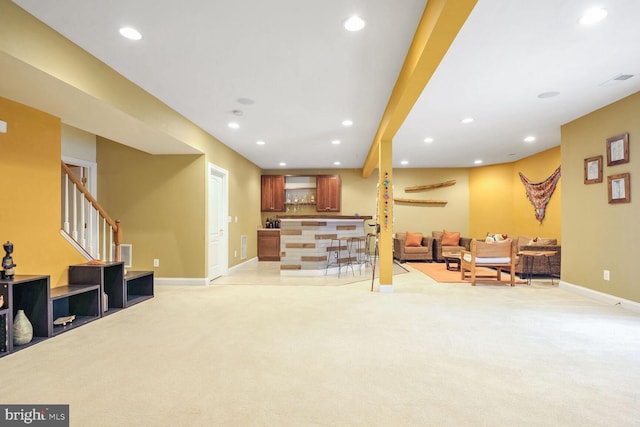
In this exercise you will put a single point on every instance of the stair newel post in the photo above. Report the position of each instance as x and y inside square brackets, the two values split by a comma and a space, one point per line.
[117, 237]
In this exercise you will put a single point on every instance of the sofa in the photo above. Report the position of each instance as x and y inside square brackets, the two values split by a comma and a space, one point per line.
[451, 243]
[540, 264]
[408, 246]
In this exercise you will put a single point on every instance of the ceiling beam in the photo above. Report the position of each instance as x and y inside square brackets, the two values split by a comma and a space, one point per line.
[438, 28]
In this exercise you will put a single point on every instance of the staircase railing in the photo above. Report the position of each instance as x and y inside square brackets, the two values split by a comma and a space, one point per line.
[86, 222]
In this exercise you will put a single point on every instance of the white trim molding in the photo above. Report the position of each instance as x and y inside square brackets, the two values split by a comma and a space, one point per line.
[386, 289]
[239, 266]
[177, 281]
[600, 296]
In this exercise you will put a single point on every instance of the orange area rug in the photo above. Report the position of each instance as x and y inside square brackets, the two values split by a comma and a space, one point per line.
[438, 272]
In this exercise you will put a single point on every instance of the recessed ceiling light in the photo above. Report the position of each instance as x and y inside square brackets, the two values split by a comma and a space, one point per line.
[261, 142]
[592, 16]
[467, 120]
[233, 125]
[404, 162]
[130, 33]
[530, 138]
[336, 142]
[477, 162]
[283, 164]
[549, 94]
[336, 163]
[347, 123]
[428, 140]
[354, 23]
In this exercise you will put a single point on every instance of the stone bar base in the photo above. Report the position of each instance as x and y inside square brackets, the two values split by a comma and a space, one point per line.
[305, 242]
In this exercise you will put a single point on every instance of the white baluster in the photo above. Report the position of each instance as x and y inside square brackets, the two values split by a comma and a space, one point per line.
[90, 231]
[98, 237]
[83, 236]
[111, 244]
[104, 239]
[66, 203]
[74, 233]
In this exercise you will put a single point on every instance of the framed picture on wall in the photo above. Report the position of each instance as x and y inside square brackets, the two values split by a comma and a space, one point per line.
[618, 149]
[593, 170]
[619, 188]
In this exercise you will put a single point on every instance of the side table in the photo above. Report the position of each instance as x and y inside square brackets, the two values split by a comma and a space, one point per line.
[528, 261]
[452, 260]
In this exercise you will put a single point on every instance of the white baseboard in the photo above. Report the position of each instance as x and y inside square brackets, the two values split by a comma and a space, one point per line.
[242, 264]
[177, 281]
[600, 296]
[198, 281]
[386, 289]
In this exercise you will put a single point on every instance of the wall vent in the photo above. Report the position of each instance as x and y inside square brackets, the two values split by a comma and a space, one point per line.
[125, 253]
[243, 246]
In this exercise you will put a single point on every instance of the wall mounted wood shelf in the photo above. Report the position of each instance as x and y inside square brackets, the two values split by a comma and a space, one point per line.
[430, 186]
[421, 202]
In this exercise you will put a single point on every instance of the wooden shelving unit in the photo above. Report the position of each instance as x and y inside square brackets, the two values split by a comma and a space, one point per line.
[138, 286]
[83, 301]
[110, 277]
[31, 294]
[82, 298]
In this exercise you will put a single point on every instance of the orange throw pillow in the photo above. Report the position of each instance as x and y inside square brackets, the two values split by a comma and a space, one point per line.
[450, 238]
[413, 239]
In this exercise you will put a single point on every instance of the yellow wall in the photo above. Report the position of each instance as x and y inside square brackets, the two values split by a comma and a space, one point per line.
[490, 195]
[30, 216]
[499, 204]
[598, 235]
[161, 203]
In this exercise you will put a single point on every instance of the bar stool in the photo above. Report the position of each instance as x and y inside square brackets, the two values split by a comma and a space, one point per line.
[356, 252]
[333, 255]
[370, 247]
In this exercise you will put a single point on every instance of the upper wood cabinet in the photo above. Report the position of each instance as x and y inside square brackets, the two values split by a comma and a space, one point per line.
[272, 199]
[328, 194]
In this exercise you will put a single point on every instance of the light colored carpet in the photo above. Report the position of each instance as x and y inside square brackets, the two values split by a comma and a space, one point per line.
[425, 355]
[268, 273]
[438, 272]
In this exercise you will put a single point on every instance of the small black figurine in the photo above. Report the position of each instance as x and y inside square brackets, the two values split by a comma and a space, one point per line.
[7, 261]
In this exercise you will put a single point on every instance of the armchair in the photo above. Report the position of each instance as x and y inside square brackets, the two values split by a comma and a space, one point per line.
[402, 252]
[499, 255]
[463, 243]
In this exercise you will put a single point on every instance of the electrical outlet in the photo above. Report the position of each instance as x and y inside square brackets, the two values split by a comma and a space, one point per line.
[235, 254]
[606, 275]
[156, 262]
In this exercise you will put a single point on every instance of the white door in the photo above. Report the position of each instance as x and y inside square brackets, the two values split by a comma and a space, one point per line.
[218, 208]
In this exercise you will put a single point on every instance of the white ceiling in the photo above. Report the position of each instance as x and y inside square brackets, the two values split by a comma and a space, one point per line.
[306, 74]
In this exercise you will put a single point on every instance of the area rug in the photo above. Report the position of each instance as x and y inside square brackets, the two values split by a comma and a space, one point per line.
[438, 272]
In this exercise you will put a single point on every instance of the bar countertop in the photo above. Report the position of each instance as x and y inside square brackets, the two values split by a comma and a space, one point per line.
[363, 217]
